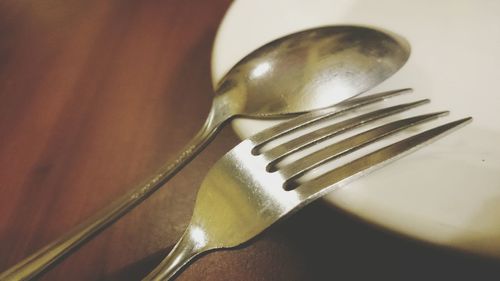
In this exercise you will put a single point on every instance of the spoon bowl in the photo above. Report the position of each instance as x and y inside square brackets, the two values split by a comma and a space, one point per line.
[309, 70]
[301, 72]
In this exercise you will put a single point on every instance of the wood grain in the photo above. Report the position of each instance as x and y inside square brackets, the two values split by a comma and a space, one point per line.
[97, 94]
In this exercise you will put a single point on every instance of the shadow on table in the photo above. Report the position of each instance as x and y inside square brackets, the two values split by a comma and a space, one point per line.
[341, 247]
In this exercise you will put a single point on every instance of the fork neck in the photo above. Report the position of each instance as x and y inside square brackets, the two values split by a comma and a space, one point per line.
[192, 243]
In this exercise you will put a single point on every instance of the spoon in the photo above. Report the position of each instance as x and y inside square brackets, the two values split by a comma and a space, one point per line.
[300, 72]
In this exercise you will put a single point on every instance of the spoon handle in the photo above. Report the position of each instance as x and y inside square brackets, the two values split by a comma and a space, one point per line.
[54, 252]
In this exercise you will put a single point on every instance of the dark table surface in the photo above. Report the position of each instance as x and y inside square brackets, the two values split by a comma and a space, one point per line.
[97, 94]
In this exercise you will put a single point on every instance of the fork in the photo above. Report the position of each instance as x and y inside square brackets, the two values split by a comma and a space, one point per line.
[250, 188]
[37, 263]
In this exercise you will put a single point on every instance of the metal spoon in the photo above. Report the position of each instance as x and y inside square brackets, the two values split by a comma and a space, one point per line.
[307, 70]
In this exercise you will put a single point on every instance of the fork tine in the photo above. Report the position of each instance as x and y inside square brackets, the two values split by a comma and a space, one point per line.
[308, 118]
[296, 169]
[274, 155]
[340, 176]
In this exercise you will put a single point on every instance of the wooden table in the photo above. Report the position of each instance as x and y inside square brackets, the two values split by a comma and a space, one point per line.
[97, 94]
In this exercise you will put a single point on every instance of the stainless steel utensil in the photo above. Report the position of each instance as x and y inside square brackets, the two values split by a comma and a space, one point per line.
[304, 71]
[247, 191]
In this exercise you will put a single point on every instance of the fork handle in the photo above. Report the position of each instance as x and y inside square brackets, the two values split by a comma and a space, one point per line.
[54, 252]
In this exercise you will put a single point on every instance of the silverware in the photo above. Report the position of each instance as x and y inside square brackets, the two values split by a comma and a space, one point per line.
[323, 66]
[248, 190]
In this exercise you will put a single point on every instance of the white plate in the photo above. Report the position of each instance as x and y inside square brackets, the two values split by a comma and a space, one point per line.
[449, 192]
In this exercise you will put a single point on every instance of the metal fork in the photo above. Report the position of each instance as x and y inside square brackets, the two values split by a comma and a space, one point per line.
[247, 190]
